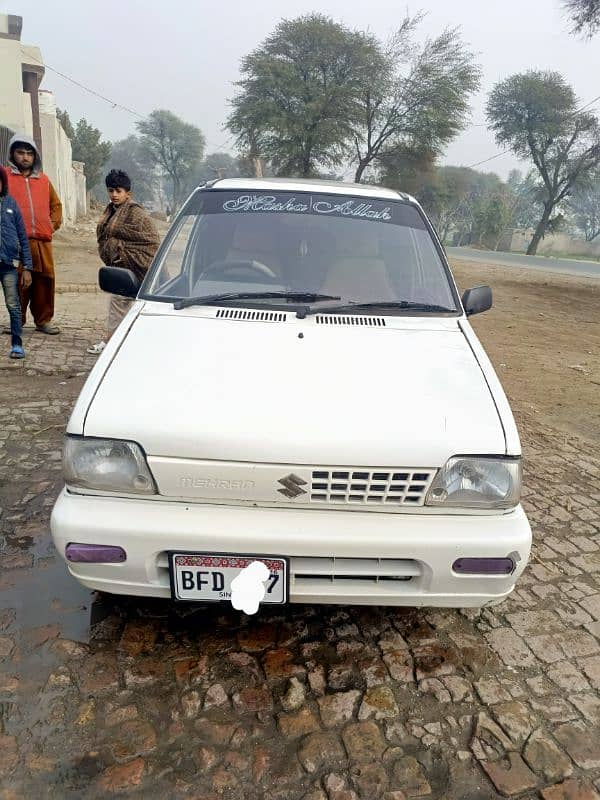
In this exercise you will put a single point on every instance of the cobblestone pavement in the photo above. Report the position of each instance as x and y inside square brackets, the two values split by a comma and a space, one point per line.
[101, 696]
[81, 317]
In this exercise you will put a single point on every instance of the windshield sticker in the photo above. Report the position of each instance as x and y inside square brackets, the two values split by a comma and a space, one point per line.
[262, 202]
[293, 205]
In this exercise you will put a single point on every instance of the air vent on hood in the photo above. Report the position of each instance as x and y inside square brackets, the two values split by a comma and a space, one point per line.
[359, 319]
[251, 316]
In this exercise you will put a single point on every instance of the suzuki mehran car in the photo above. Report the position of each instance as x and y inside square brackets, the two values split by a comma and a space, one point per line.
[296, 383]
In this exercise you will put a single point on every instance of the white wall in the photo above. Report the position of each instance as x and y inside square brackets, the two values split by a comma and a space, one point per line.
[46, 102]
[555, 244]
[27, 116]
[58, 165]
[80, 188]
[12, 106]
[66, 175]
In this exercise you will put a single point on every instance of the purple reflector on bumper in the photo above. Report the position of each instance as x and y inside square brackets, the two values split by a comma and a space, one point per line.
[484, 566]
[95, 553]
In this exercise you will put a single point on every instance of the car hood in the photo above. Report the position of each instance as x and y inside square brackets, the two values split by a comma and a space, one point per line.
[297, 392]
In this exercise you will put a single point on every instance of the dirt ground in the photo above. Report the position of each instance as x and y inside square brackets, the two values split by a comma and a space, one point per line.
[542, 334]
[76, 254]
[543, 337]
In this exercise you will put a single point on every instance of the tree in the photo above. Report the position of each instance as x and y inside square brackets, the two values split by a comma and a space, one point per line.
[474, 206]
[450, 198]
[492, 216]
[87, 146]
[297, 104]
[409, 170]
[585, 15]
[251, 165]
[526, 193]
[415, 98]
[175, 146]
[470, 201]
[217, 165]
[585, 206]
[63, 118]
[535, 115]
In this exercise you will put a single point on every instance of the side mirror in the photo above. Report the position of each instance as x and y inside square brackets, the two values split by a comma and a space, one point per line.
[117, 280]
[476, 300]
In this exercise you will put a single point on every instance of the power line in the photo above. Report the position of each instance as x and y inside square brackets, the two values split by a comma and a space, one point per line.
[97, 94]
[485, 160]
[503, 152]
[218, 147]
[113, 103]
[579, 110]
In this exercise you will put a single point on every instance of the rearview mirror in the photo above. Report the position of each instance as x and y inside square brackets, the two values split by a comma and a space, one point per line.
[477, 299]
[117, 280]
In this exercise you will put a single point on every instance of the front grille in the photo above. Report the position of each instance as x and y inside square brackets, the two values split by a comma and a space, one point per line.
[359, 319]
[251, 316]
[353, 569]
[400, 486]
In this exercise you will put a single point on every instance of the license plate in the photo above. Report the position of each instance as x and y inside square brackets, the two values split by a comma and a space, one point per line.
[204, 577]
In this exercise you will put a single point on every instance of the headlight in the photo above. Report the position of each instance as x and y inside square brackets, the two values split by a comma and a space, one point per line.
[106, 465]
[466, 482]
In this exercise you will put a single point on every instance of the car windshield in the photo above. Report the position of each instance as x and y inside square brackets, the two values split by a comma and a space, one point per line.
[274, 247]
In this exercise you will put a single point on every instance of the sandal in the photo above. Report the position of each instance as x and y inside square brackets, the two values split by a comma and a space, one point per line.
[16, 351]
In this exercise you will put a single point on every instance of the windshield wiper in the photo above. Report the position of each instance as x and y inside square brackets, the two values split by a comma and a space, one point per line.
[383, 304]
[207, 299]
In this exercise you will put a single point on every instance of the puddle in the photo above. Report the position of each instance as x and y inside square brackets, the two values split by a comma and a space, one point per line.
[41, 604]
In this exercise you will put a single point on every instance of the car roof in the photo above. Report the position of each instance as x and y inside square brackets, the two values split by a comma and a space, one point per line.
[310, 185]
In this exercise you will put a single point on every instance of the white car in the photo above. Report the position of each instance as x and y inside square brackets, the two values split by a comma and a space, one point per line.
[297, 384]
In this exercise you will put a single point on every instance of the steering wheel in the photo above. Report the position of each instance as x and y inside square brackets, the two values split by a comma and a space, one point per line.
[218, 268]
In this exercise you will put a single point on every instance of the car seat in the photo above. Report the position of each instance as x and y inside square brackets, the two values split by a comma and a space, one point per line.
[254, 239]
[357, 272]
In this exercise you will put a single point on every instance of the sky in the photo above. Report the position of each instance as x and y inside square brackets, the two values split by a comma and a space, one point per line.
[184, 55]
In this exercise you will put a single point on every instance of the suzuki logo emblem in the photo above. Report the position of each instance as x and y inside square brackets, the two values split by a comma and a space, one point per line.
[292, 486]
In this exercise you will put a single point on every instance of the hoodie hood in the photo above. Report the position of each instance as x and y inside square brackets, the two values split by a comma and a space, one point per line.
[24, 139]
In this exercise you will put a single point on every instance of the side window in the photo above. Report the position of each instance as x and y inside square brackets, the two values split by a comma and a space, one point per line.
[166, 280]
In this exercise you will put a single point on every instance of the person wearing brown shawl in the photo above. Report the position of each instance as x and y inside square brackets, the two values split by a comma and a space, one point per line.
[128, 238]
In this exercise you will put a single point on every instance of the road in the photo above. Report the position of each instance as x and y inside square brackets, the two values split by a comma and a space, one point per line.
[565, 266]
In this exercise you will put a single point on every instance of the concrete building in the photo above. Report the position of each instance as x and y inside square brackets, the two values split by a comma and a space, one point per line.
[21, 72]
[66, 175]
[25, 108]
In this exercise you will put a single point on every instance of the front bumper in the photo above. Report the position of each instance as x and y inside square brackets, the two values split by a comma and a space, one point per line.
[429, 543]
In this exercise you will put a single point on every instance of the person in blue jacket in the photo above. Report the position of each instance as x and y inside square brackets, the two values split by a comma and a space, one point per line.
[14, 245]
